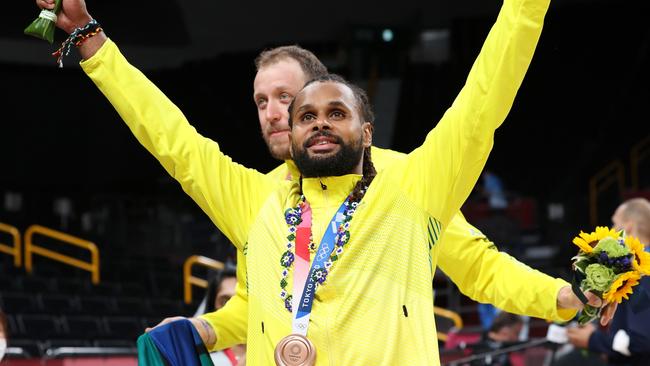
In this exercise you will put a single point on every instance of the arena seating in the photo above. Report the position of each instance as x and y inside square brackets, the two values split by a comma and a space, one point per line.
[46, 312]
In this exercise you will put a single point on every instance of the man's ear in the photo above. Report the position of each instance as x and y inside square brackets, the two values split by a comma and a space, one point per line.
[367, 134]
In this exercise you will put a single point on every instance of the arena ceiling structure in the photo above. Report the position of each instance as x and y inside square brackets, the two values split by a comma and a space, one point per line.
[587, 84]
[174, 31]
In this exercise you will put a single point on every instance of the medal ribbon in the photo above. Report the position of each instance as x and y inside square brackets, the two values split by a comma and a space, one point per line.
[303, 282]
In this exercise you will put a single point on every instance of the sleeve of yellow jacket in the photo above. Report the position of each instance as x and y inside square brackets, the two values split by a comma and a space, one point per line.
[229, 193]
[440, 174]
[486, 275]
[230, 323]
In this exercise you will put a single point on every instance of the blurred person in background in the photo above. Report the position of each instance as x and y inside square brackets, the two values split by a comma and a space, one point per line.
[3, 334]
[627, 340]
[221, 288]
[503, 332]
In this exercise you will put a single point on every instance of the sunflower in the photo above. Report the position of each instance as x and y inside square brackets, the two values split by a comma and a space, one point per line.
[641, 261]
[587, 242]
[622, 287]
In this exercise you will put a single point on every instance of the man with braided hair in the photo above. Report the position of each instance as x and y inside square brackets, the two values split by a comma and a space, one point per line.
[408, 203]
[490, 278]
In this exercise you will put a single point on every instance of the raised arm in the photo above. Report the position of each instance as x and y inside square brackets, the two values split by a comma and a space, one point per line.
[486, 275]
[229, 193]
[440, 174]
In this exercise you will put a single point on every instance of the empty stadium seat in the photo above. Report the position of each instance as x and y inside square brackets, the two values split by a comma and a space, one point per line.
[166, 308]
[123, 327]
[82, 327]
[72, 286]
[133, 306]
[33, 283]
[133, 289]
[39, 326]
[114, 343]
[12, 324]
[59, 304]
[97, 305]
[23, 303]
[56, 343]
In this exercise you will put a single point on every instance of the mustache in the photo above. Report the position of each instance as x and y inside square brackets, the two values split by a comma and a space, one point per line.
[274, 130]
[328, 134]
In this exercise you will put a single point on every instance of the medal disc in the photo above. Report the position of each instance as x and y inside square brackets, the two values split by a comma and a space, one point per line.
[295, 350]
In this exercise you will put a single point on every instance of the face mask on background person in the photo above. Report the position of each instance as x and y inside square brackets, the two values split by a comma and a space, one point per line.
[3, 347]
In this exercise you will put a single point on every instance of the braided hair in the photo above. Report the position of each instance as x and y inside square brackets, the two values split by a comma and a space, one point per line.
[367, 114]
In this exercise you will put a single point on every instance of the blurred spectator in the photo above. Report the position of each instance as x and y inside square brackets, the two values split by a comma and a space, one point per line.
[627, 341]
[503, 332]
[3, 334]
[486, 314]
[497, 224]
[505, 328]
[221, 288]
[493, 190]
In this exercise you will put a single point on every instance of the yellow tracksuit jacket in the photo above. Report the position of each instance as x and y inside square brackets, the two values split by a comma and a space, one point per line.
[464, 254]
[375, 307]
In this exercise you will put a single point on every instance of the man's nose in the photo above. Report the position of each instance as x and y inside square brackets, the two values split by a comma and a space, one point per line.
[273, 112]
[321, 123]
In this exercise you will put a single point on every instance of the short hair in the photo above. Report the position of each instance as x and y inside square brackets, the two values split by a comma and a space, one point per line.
[309, 63]
[638, 211]
[360, 96]
[505, 319]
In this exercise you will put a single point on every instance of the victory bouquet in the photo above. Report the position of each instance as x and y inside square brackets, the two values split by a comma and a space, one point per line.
[609, 264]
[43, 27]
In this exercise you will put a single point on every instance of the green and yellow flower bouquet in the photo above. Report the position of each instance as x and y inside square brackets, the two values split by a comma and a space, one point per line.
[609, 263]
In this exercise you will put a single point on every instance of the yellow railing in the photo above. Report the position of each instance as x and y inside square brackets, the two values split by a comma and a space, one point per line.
[638, 153]
[455, 317]
[611, 174]
[31, 248]
[15, 250]
[189, 280]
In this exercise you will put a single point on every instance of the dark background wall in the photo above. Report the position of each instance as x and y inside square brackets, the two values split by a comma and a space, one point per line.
[583, 102]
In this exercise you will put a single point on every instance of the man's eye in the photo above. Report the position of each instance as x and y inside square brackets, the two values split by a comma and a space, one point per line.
[337, 114]
[285, 97]
[261, 103]
[308, 117]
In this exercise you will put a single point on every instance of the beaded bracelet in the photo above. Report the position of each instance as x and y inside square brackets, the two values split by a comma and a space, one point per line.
[76, 38]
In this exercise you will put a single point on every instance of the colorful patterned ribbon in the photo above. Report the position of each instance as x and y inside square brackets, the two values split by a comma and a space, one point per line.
[303, 278]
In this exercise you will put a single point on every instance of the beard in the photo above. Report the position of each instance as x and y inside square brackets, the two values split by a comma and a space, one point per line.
[278, 150]
[340, 163]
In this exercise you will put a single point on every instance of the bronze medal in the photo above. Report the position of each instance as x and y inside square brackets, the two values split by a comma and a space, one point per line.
[295, 350]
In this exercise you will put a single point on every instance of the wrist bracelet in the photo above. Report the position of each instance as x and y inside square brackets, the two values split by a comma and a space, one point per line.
[76, 38]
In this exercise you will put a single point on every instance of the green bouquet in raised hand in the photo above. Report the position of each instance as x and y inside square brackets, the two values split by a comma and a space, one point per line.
[609, 263]
[43, 27]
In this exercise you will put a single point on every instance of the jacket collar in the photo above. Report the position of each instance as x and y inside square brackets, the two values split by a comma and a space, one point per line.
[328, 191]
